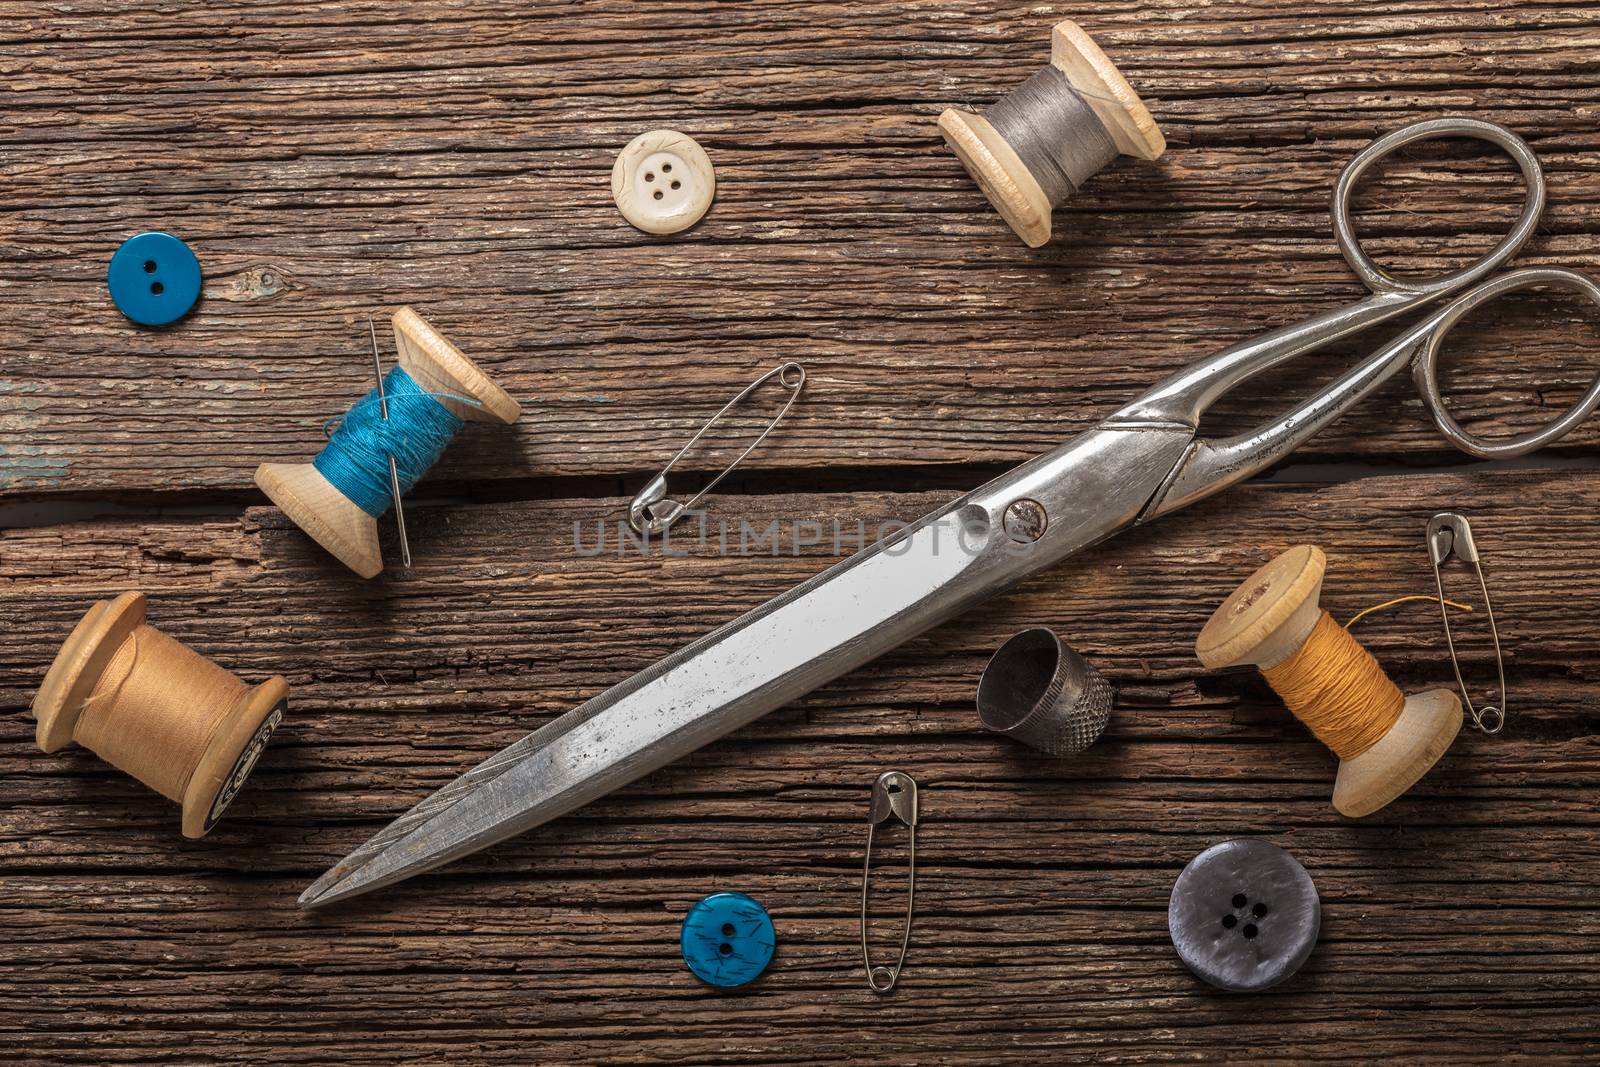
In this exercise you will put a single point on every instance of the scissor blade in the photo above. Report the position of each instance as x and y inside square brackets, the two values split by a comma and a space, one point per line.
[761, 661]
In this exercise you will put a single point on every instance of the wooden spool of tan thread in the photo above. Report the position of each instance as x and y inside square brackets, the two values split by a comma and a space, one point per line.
[1005, 179]
[333, 520]
[157, 710]
[1274, 621]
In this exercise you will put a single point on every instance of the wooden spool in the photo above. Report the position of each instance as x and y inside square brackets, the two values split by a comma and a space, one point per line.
[332, 519]
[227, 757]
[1000, 172]
[1268, 619]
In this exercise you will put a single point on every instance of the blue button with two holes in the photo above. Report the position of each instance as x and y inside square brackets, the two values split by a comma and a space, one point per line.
[154, 279]
[728, 939]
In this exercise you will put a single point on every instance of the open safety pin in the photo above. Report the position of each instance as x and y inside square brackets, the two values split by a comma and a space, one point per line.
[893, 794]
[652, 512]
[1449, 534]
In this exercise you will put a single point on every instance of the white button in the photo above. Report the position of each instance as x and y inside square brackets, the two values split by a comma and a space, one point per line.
[663, 182]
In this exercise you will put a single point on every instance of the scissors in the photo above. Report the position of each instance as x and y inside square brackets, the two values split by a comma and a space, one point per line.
[1140, 463]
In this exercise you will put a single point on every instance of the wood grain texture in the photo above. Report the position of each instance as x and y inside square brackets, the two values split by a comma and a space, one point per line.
[1043, 885]
[333, 160]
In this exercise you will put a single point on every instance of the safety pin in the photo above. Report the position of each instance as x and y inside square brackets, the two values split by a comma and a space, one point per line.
[893, 794]
[652, 512]
[394, 473]
[1449, 534]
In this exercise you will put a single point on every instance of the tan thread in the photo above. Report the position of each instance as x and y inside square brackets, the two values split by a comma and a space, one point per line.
[1337, 689]
[156, 709]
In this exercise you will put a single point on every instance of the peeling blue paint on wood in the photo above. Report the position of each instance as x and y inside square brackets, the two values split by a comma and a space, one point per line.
[25, 466]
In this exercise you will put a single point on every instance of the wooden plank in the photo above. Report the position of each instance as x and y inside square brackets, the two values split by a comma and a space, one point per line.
[329, 161]
[1459, 925]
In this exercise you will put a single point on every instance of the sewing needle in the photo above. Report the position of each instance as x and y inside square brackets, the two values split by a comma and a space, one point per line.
[394, 474]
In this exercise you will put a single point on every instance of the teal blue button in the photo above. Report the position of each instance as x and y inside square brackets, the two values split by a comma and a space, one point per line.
[154, 278]
[728, 939]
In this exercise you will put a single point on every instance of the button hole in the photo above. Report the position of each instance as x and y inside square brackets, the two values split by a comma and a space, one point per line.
[1240, 900]
[1259, 911]
[676, 184]
[666, 168]
[149, 266]
[657, 194]
[1249, 931]
[156, 288]
[725, 948]
[1229, 921]
[727, 929]
[649, 177]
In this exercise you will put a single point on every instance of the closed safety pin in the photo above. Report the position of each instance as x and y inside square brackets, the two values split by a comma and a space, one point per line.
[893, 794]
[652, 512]
[1449, 534]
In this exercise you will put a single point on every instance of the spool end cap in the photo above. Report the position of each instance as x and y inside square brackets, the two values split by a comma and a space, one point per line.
[1000, 173]
[77, 668]
[440, 367]
[1269, 615]
[231, 756]
[1091, 72]
[332, 519]
[1427, 725]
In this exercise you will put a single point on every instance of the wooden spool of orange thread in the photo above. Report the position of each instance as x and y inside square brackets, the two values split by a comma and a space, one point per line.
[1385, 740]
[157, 710]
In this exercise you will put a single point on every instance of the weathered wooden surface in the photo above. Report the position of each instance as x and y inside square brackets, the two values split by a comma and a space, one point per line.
[1459, 920]
[329, 161]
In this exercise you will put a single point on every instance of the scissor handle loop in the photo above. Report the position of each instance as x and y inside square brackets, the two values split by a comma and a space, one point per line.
[1426, 367]
[1381, 281]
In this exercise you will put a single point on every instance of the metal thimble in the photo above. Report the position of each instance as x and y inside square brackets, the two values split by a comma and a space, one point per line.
[1042, 693]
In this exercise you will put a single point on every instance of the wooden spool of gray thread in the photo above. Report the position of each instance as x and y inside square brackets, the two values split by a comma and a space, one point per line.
[1037, 146]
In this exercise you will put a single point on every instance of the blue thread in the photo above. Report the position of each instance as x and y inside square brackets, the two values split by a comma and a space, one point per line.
[356, 458]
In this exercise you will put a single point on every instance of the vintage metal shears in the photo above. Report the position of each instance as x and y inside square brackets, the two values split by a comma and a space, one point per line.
[1140, 463]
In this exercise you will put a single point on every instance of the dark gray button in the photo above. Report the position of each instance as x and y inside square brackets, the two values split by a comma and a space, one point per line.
[1244, 915]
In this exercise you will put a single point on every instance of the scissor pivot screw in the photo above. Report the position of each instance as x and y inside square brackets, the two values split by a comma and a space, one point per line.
[1025, 520]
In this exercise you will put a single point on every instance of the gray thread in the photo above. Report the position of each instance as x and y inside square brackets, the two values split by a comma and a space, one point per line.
[1055, 133]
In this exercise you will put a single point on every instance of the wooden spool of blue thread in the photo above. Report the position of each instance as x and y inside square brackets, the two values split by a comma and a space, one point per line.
[333, 519]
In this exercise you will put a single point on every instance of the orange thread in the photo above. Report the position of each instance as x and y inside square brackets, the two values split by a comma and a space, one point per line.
[156, 709]
[1358, 616]
[1337, 689]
